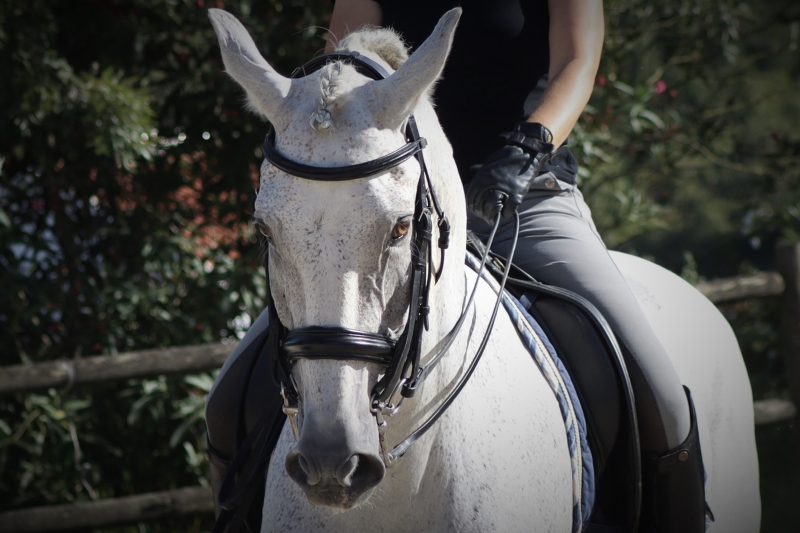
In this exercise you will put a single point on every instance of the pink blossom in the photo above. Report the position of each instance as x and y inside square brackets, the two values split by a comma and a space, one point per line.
[661, 86]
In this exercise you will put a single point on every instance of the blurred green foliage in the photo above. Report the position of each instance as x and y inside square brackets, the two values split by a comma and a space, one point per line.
[690, 142]
[127, 170]
[126, 174]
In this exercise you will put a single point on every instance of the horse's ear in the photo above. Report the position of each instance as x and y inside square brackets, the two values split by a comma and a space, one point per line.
[399, 93]
[266, 89]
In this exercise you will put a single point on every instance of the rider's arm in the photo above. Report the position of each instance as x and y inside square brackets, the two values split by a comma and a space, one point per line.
[576, 41]
[349, 15]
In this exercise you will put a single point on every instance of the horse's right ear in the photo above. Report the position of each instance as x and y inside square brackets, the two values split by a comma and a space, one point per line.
[266, 89]
[399, 93]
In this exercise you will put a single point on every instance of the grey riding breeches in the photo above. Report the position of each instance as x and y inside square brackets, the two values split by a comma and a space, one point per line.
[559, 245]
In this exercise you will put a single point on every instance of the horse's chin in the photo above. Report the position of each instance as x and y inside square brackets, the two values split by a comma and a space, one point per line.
[334, 496]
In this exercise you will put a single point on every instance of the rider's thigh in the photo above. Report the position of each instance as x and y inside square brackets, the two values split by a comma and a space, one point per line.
[559, 245]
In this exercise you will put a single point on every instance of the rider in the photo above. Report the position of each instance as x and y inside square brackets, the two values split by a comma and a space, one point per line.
[528, 67]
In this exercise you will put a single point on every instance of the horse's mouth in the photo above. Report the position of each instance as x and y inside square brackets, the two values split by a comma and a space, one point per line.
[335, 496]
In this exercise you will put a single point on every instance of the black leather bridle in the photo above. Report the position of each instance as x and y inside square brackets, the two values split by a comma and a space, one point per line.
[400, 358]
[341, 343]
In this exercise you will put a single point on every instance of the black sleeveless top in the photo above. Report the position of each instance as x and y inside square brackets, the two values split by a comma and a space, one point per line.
[500, 52]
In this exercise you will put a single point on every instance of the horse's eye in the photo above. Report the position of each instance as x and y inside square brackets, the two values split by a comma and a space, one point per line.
[263, 229]
[401, 229]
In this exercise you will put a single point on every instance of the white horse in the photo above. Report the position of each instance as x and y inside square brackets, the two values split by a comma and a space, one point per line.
[339, 255]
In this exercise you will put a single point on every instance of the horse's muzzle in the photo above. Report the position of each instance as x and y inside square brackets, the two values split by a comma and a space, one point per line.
[329, 482]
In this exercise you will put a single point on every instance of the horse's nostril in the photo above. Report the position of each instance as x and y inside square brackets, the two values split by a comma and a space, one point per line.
[306, 468]
[346, 471]
[361, 472]
[300, 470]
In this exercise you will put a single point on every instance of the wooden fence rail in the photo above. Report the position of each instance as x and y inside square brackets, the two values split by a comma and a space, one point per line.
[102, 368]
[742, 287]
[109, 512]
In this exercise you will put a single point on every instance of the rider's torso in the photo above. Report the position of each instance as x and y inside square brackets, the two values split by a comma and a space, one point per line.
[500, 51]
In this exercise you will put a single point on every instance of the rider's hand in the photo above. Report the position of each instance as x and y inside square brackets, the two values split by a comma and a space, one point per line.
[507, 174]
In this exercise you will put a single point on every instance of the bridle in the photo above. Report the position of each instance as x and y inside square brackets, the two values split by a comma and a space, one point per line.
[401, 358]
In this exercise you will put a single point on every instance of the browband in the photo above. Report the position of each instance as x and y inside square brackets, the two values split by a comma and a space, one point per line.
[363, 65]
[343, 173]
[373, 70]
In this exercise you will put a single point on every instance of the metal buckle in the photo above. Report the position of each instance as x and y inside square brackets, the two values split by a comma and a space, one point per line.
[381, 410]
[291, 406]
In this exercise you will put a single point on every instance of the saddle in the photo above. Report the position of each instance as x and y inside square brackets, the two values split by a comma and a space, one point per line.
[244, 411]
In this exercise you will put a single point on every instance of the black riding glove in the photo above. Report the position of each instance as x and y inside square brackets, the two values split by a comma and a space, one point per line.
[506, 176]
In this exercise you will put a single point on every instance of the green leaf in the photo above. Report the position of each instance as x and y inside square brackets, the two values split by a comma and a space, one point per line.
[623, 87]
[177, 435]
[204, 382]
[655, 119]
[76, 405]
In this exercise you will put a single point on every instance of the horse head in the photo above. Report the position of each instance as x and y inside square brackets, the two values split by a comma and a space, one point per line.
[340, 252]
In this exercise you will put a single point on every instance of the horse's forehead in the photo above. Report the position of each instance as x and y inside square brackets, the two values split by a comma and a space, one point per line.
[352, 140]
[296, 201]
[353, 136]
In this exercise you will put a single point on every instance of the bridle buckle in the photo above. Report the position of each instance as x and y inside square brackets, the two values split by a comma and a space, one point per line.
[291, 406]
[381, 410]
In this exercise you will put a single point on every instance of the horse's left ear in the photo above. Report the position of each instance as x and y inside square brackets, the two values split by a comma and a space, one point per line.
[399, 93]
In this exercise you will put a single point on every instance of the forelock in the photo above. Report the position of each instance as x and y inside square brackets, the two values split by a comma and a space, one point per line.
[384, 42]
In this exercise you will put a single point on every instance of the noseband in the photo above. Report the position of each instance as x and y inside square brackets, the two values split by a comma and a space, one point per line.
[401, 358]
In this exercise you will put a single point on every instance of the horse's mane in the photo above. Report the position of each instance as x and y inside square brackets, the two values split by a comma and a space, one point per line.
[384, 42]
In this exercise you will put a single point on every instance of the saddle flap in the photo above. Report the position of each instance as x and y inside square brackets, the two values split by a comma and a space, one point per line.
[584, 353]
